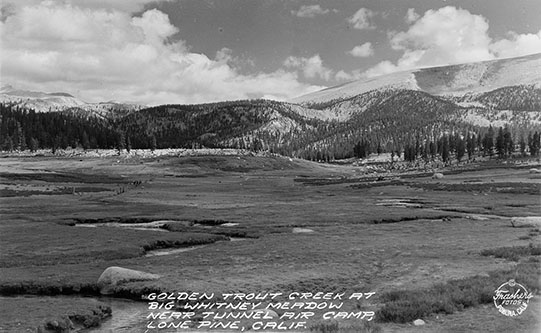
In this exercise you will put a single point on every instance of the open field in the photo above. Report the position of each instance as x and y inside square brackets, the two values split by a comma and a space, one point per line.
[255, 223]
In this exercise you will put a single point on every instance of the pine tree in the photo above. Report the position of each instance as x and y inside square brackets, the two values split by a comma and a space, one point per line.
[470, 145]
[433, 149]
[121, 142]
[522, 144]
[34, 145]
[488, 142]
[500, 143]
[460, 148]
[24, 146]
[426, 150]
[153, 144]
[530, 144]
[534, 144]
[85, 141]
[18, 136]
[508, 144]
[56, 144]
[445, 149]
[9, 144]
[357, 149]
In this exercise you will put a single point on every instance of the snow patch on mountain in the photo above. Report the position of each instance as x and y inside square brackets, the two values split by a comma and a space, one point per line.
[59, 101]
[401, 80]
[453, 80]
[39, 101]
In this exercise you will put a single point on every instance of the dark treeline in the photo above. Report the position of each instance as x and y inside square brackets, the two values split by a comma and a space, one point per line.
[22, 129]
[462, 145]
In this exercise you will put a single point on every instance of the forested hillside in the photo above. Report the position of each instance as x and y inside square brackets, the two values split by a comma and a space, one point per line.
[444, 112]
[411, 124]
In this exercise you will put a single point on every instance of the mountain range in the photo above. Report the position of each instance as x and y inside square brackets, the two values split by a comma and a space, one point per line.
[385, 110]
[61, 101]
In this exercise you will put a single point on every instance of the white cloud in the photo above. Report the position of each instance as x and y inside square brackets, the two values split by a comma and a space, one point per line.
[517, 45]
[129, 6]
[411, 15]
[103, 54]
[362, 51]
[451, 36]
[360, 19]
[311, 67]
[310, 11]
[345, 76]
[441, 37]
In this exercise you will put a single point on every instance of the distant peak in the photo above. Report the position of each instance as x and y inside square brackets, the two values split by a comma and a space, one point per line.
[61, 94]
[6, 87]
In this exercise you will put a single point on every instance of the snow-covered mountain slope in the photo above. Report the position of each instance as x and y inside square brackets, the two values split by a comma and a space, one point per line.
[59, 101]
[402, 80]
[39, 101]
[505, 91]
[454, 80]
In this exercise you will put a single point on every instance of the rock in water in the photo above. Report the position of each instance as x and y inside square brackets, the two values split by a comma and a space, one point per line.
[113, 276]
[418, 322]
[437, 175]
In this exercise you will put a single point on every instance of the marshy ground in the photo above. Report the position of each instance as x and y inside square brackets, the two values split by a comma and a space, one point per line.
[303, 226]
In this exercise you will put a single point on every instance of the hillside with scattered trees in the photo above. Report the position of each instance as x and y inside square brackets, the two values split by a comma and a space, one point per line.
[411, 125]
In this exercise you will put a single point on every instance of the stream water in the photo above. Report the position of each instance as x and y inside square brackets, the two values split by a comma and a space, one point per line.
[167, 251]
[134, 226]
[128, 316]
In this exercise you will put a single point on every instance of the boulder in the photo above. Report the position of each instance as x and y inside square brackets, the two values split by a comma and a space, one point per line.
[114, 276]
[527, 221]
[437, 175]
[418, 322]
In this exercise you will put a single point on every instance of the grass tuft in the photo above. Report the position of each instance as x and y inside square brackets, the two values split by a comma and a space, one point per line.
[404, 306]
[513, 253]
[332, 326]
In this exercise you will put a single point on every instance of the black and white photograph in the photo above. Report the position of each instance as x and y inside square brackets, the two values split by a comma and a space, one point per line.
[319, 166]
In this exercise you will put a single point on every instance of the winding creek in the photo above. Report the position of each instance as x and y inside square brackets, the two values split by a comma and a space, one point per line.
[130, 316]
[127, 316]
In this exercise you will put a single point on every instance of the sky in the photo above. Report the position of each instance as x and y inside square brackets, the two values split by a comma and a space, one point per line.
[198, 51]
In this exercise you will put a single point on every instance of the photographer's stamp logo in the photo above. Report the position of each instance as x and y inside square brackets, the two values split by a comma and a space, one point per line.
[511, 298]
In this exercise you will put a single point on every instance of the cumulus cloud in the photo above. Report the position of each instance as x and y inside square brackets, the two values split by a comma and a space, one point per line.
[130, 6]
[312, 67]
[102, 54]
[361, 19]
[517, 45]
[411, 15]
[362, 51]
[348, 76]
[444, 36]
[310, 11]
[451, 35]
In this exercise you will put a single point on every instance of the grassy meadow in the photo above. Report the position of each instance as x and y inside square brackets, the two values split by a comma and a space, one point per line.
[431, 249]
